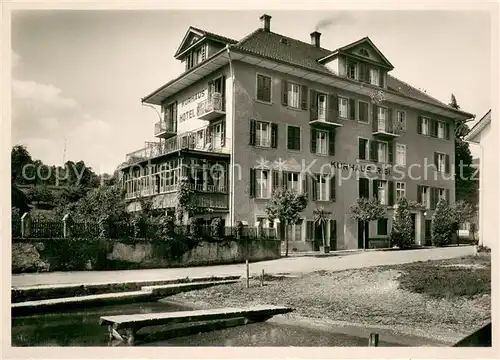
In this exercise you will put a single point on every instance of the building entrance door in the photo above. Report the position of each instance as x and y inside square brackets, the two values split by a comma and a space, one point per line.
[360, 234]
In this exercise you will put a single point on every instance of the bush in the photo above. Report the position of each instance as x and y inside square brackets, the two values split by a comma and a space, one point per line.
[402, 227]
[443, 224]
[194, 225]
[216, 228]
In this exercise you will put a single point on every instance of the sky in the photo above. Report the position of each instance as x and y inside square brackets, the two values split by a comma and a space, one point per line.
[78, 76]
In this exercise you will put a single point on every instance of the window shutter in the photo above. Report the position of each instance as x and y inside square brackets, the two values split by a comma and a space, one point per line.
[448, 195]
[333, 234]
[314, 187]
[332, 107]
[332, 188]
[303, 97]
[252, 182]
[362, 71]
[361, 149]
[363, 188]
[313, 109]
[252, 132]
[352, 109]
[436, 161]
[223, 134]
[290, 137]
[331, 142]
[284, 176]
[389, 125]
[260, 87]
[375, 117]
[275, 179]
[390, 192]
[419, 125]
[433, 198]
[390, 151]
[313, 140]
[274, 135]
[174, 115]
[447, 131]
[373, 150]
[433, 128]
[419, 194]
[381, 78]
[305, 187]
[310, 230]
[297, 139]
[284, 92]
[210, 88]
[223, 92]
[447, 164]
[375, 188]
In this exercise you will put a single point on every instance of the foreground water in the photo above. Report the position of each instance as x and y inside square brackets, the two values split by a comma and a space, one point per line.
[81, 328]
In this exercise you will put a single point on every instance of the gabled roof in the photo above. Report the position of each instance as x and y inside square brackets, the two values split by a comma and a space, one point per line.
[347, 47]
[286, 50]
[203, 34]
[476, 129]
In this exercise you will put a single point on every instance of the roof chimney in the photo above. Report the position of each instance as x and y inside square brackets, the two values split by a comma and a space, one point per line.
[315, 38]
[266, 22]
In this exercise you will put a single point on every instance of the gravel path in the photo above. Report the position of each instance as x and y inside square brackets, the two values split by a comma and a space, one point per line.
[366, 296]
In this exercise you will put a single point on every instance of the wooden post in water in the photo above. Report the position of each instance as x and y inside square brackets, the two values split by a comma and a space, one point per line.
[373, 339]
[262, 278]
[247, 274]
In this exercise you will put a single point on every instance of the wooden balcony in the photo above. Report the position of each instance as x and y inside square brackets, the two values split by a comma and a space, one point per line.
[217, 201]
[165, 130]
[212, 108]
[385, 129]
[187, 141]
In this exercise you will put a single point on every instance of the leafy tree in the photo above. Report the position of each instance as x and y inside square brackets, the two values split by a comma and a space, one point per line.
[19, 157]
[322, 217]
[463, 212]
[285, 205]
[443, 224]
[365, 211]
[40, 194]
[402, 226]
[465, 186]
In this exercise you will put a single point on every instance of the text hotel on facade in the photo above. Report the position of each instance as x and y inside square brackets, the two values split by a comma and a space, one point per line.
[249, 115]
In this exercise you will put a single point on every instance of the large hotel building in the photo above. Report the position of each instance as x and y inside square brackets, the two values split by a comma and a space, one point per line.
[265, 111]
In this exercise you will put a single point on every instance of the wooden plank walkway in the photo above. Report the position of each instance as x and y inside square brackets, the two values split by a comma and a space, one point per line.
[132, 323]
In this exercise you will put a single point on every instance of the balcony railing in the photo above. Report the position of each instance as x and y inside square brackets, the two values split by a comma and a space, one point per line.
[212, 108]
[320, 118]
[164, 129]
[385, 128]
[185, 141]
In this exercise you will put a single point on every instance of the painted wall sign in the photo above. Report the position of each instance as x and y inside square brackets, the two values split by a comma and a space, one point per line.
[361, 167]
[187, 107]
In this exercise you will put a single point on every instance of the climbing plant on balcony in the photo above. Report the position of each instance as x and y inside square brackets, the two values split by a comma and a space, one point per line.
[184, 200]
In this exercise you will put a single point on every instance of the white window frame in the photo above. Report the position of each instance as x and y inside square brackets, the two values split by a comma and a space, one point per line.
[367, 148]
[442, 194]
[262, 185]
[381, 145]
[426, 196]
[400, 190]
[375, 80]
[382, 192]
[441, 165]
[293, 97]
[341, 114]
[399, 161]
[381, 118]
[401, 118]
[441, 130]
[359, 112]
[426, 123]
[319, 142]
[322, 115]
[320, 187]
[293, 231]
[348, 70]
[262, 141]
[290, 184]
[257, 88]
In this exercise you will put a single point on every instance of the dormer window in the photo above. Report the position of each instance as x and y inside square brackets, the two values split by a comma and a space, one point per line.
[196, 56]
[374, 77]
[352, 70]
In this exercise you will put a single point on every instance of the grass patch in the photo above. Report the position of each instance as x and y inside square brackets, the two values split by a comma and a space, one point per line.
[439, 281]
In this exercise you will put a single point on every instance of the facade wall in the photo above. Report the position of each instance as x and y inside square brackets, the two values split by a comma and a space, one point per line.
[246, 156]
[488, 188]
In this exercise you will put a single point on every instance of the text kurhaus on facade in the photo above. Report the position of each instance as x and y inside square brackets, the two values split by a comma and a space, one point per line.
[272, 97]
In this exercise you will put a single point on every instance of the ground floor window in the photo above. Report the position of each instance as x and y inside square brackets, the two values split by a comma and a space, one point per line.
[294, 231]
[382, 227]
